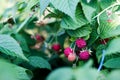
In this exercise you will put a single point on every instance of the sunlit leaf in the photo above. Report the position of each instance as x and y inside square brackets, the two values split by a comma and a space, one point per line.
[69, 23]
[66, 6]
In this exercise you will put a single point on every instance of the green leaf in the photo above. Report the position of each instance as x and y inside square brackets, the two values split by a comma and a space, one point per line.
[9, 46]
[21, 6]
[113, 46]
[39, 62]
[6, 30]
[80, 32]
[1, 25]
[99, 51]
[66, 6]
[61, 74]
[113, 63]
[43, 5]
[81, 73]
[30, 4]
[22, 42]
[23, 24]
[69, 23]
[93, 35]
[109, 29]
[10, 71]
[106, 3]
[89, 8]
[86, 74]
[114, 75]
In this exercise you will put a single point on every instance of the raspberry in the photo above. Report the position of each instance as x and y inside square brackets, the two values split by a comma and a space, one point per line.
[39, 38]
[56, 47]
[67, 51]
[71, 57]
[84, 55]
[81, 43]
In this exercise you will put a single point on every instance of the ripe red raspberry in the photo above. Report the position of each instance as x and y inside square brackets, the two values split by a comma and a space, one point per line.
[56, 47]
[84, 55]
[67, 51]
[81, 43]
[71, 57]
[39, 38]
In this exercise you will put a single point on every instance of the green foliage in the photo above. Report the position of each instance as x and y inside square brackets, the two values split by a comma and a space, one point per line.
[109, 29]
[29, 28]
[6, 30]
[104, 5]
[13, 72]
[80, 32]
[59, 73]
[89, 8]
[66, 6]
[113, 46]
[112, 63]
[9, 46]
[84, 73]
[43, 7]
[21, 40]
[39, 62]
[114, 75]
[69, 23]
[30, 4]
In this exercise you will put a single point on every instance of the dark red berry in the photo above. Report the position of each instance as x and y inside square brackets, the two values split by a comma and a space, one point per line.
[56, 47]
[39, 38]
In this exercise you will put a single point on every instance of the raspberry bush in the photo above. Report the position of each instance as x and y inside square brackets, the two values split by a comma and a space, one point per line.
[60, 40]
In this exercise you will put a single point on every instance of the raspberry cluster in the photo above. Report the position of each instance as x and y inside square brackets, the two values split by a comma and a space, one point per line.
[83, 54]
[69, 53]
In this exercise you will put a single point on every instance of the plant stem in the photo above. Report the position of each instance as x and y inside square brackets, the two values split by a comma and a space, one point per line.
[102, 60]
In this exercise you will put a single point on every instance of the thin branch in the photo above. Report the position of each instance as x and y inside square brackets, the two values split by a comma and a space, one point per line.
[118, 3]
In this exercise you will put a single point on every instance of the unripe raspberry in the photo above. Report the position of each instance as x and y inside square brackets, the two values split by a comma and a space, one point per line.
[84, 55]
[56, 47]
[67, 51]
[71, 57]
[81, 43]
